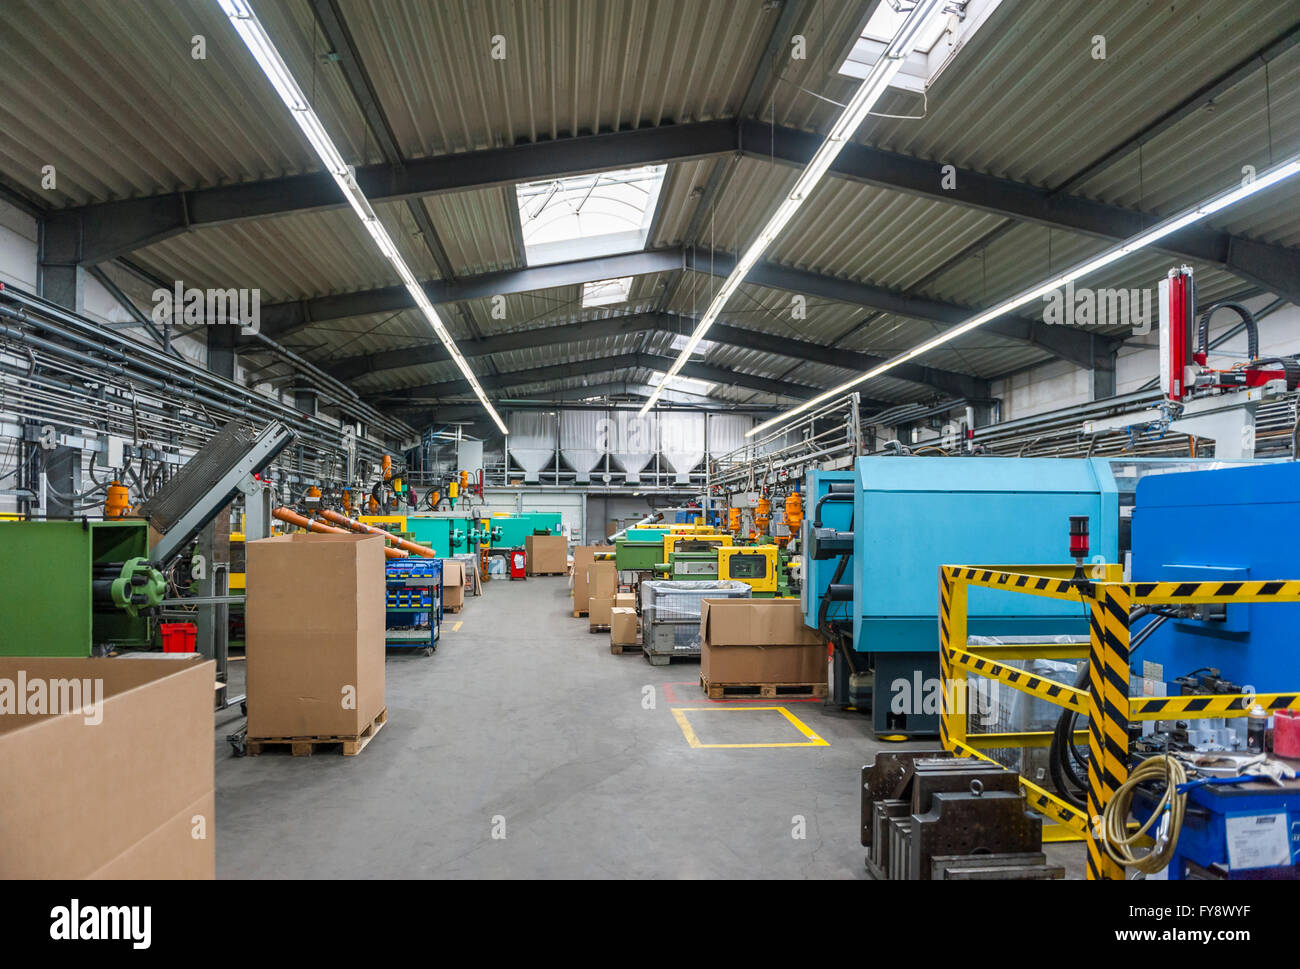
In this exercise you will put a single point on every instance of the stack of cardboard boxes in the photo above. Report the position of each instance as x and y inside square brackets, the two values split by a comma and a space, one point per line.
[602, 586]
[583, 556]
[759, 642]
[623, 622]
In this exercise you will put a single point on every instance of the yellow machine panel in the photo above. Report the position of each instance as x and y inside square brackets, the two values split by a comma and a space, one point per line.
[670, 541]
[755, 565]
[384, 521]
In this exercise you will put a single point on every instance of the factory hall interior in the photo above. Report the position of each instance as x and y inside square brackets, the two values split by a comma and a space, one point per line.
[649, 440]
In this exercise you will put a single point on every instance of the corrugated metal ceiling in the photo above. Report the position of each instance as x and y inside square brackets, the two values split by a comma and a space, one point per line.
[107, 90]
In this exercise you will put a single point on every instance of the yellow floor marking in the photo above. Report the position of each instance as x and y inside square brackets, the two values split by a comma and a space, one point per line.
[459, 623]
[679, 714]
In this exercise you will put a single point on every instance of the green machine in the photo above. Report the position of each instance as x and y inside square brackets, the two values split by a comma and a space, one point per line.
[76, 588]
[639, 552]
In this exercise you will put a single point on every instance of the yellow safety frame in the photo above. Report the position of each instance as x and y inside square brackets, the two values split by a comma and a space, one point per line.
[379, 521]
[671, 540]
[769, 552]
[1106, 702]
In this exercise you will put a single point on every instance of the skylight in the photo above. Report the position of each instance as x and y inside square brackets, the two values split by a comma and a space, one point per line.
[682, 339]
[584, 216]
[687, 385]
[606, 292]
[934, 47]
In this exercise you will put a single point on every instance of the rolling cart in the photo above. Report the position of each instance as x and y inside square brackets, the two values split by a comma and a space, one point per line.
[413, 611]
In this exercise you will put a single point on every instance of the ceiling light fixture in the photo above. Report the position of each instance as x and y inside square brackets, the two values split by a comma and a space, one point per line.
[1201, 210]
[259, 44]
[863, 100]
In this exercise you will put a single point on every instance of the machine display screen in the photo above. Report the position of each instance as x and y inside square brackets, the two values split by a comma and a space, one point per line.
[748, 566]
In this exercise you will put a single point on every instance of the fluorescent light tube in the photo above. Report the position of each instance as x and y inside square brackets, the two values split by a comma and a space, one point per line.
[1149, 237]
[863, 100]
[268, 59]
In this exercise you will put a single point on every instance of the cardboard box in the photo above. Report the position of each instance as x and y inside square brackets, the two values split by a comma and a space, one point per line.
[583, 557]
[625, 600]
[622, 626]
[546, 554]
[759, 641]
[598, 611]
[314, 629]
[602, 580]
[119, 798]
[453, 584]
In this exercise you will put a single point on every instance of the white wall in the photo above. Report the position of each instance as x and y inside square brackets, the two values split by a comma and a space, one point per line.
[514, 500]
[1059, 384]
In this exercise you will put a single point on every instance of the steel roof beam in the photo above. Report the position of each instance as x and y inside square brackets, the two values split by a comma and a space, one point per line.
[281, 320]
[111, 229]
[943, 381]
[602, 365]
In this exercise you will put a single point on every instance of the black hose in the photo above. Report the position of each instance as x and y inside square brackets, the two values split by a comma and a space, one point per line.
[1247, 318]
[1062, 750]
[829, 496]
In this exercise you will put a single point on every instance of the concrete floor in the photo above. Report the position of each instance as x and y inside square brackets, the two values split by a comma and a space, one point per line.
[523, 720]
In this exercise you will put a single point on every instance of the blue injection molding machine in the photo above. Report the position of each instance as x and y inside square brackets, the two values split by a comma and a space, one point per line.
[909, 515]
[1227, 524]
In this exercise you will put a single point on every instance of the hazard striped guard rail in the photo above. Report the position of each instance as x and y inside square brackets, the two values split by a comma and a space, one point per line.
[1105, 702]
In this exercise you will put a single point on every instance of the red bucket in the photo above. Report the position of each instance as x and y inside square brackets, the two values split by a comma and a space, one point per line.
[1286, 733]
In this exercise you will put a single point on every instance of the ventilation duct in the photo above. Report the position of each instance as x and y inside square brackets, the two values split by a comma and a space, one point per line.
[681, 434]
[532, 442]
[634, 444]
[580, 444]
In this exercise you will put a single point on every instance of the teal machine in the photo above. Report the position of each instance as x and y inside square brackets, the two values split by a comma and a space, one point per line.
[454, 534]
[874, 539]
[510, 531]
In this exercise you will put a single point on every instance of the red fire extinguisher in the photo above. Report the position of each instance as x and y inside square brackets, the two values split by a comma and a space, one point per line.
[517, 564]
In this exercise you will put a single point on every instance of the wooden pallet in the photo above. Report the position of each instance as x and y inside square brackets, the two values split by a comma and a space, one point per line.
[579, 613]
[618, 650]
[542, 575]
[767, 691]
[454, 610]
[598, 629]
[306, 746]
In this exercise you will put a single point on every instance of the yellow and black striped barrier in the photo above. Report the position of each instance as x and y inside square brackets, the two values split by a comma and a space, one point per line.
[1106, 702]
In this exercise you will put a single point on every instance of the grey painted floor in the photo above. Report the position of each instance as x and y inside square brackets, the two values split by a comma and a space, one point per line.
[523, 720]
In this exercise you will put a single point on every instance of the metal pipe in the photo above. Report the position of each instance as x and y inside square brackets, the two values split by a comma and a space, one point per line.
[120, 366]
[142, 356]
[357, 526]
[291, 517]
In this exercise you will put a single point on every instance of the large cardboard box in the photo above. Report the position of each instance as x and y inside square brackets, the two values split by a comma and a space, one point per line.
[118, 783]
[314, 631]
[546, 554]
[602, 580]
[453, 584]
[625, 600]
[583, 557]
[598, 611]
[622, 626]
[759, 641]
